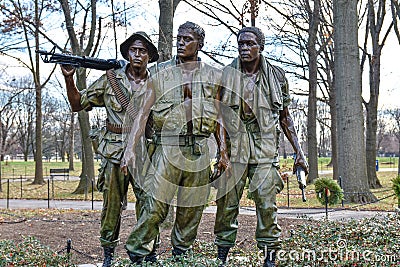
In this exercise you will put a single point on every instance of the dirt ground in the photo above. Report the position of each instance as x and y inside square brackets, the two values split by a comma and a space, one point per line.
[82, 228]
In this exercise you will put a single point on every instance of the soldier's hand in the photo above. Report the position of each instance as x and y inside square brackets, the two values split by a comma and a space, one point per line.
[124, 169]
[224, 164]
[67, 70]
[125, 162]
[300, 161]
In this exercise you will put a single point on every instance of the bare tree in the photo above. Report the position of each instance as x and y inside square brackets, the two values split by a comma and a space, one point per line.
[56, 123]
[301, 29]
[382, 131]
[376, 13]
[7, 133]
[165, 22]
[326, 73]
[6, 122]
[25, 120]
[301, 22]
[351, 146]
[24, 19]
[324, 119]
[71, 128]
[79, 47]
[230, 15]
[395, 8]
[314, 18]
[395, 118]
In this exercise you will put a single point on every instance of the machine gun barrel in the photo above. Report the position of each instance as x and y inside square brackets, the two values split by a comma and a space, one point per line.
[79, 61]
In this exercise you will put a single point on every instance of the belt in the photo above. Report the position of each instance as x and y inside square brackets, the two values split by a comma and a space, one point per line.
[177, 140]
[113, 127]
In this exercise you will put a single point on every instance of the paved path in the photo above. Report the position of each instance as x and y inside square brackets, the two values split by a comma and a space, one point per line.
[316, 213]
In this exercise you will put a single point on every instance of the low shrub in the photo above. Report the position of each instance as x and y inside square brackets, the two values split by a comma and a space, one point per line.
[396, 188]
[369, 242]
[29, 253]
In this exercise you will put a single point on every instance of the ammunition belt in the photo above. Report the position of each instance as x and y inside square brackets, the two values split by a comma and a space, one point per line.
[113, 127]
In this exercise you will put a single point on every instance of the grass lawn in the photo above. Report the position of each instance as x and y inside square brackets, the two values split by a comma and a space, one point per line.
[16, 169]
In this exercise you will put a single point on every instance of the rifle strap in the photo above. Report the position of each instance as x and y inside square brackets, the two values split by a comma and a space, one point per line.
[122, 98]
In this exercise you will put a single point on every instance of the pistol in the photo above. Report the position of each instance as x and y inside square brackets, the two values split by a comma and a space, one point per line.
[215, 174]
[301, 179]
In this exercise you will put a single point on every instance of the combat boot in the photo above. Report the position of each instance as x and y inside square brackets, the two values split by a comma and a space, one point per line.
[270, 259]
[108, 256]
[177, 254]
[135, 259]
[223, 255]
[152, 257]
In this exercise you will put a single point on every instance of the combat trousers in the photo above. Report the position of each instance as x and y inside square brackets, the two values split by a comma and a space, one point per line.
[184, 173]
[114, 186]
[266, 182]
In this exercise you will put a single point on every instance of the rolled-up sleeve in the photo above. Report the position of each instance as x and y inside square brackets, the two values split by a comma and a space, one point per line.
[285, 94]
[94, 95]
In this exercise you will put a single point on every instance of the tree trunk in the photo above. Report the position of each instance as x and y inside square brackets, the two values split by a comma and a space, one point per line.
[334, 137]
[38, 98]
[165, 35]
[351, 144]
[312, 95]
[71, 142]
[87, 174]
[375, 27]
[1, 157]
[371, 123]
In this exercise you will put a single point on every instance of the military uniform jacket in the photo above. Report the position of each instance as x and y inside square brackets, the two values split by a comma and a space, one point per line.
[101, 94]
[168, 112]
[256, 140]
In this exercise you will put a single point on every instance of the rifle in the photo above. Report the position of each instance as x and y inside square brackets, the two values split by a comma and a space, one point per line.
[79, 61]
[301, 179]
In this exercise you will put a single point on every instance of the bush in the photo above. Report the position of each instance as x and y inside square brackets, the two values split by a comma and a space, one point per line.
[335, 193]
[396, 188]
[29, 252]
[368, 242]
[202, 254]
